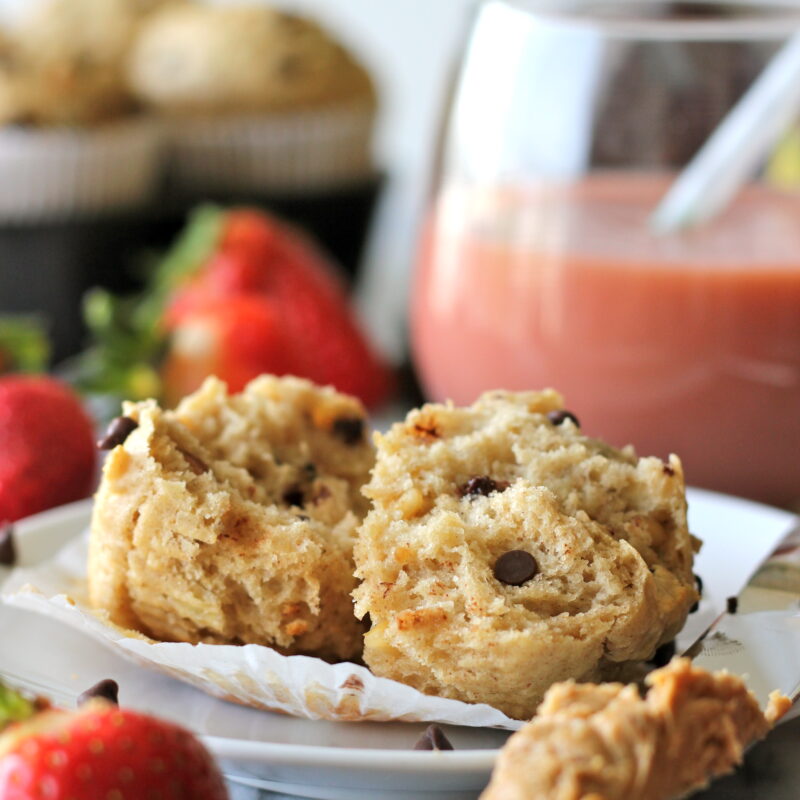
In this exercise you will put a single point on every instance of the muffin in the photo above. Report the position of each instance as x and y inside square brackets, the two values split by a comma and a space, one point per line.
[607, 741]
[231, 519]
[259, 99]
[506, 551]
[71, 142]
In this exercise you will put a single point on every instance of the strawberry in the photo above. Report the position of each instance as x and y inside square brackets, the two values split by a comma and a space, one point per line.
[311, 333]
[101, 752]
[47, 451]
[239, 294]
[235, 338]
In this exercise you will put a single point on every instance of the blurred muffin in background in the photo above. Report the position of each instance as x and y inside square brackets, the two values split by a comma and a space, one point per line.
[72, 142]
[257, 100]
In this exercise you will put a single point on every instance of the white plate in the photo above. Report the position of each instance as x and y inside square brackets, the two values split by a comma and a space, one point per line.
[333, 761]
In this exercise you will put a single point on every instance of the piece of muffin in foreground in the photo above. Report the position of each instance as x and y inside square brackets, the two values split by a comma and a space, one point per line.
[606, 741]
[506, 551]
[232, 518]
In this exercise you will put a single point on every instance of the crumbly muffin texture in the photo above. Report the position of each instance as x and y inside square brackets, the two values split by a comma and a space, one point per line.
[232, 519]
[606, 741]
[246, 58]
[506, 551]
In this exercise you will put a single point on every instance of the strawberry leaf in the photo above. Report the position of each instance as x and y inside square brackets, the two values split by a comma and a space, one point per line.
[14, 707]
[128, 340]
[23, 344]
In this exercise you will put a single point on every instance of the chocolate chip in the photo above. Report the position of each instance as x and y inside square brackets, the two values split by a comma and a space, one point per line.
[558, 417]
[481, 484]
[309, 471]
[349, 429]
[290, 66]
[732, 605]
[293, 496]
[367, 620]
[663, 654]
[117, 432]
[699, 583]
[8, 550]
[515, 567]
[433, 739]
[106, 689]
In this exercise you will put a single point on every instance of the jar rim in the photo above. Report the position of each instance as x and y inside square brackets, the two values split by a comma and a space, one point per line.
[714, 20]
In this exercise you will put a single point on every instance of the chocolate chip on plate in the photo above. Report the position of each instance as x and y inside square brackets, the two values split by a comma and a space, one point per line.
[433, 739]
[8, 550]
[558, 417]
[663, 654]
[732, 605]
[106, 689]
[117, 432]
[349, 429]
[515, 567]
[483, 485]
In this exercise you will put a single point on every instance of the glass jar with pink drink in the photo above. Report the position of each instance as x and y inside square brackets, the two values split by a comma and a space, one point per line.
[538, 264]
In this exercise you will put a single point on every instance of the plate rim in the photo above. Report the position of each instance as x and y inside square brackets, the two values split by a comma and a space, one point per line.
[479, 760]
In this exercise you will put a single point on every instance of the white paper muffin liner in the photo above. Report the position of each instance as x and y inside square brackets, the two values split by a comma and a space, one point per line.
[252, 675]
[63, 174]
[290, 152]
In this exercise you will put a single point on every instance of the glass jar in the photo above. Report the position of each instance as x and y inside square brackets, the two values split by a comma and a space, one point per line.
[537, 265]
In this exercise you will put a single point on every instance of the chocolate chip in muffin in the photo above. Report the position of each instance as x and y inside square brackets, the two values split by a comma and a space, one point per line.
[515, 567]
[117, 432]
[293, 496]
[107, 689]
[559, 417]
[433, 739]
[349, 429]
[481, 485]
[309, 471]
[8, 550]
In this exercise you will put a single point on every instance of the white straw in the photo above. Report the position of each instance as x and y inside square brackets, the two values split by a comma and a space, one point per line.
[737, 147]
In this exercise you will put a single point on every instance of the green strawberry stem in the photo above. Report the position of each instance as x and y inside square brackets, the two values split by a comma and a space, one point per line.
[14, 707]
[127, 339]
[23, 344]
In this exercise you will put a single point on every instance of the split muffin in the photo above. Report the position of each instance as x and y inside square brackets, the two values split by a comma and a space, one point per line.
[231, 519]
[506, 551]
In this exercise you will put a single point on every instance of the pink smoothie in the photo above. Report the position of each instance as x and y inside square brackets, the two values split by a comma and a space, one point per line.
[686, 344]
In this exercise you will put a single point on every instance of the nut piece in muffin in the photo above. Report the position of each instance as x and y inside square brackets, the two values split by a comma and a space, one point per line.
[590, 741]
[232, 518]
[506, 551]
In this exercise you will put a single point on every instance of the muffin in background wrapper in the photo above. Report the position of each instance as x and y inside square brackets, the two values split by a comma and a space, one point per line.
[72, 143]
[255, 100]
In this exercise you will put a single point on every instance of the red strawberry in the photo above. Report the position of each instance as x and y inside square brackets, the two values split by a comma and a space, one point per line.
[234, 338]
[102, 752]
[47, 451]
[311, 331]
